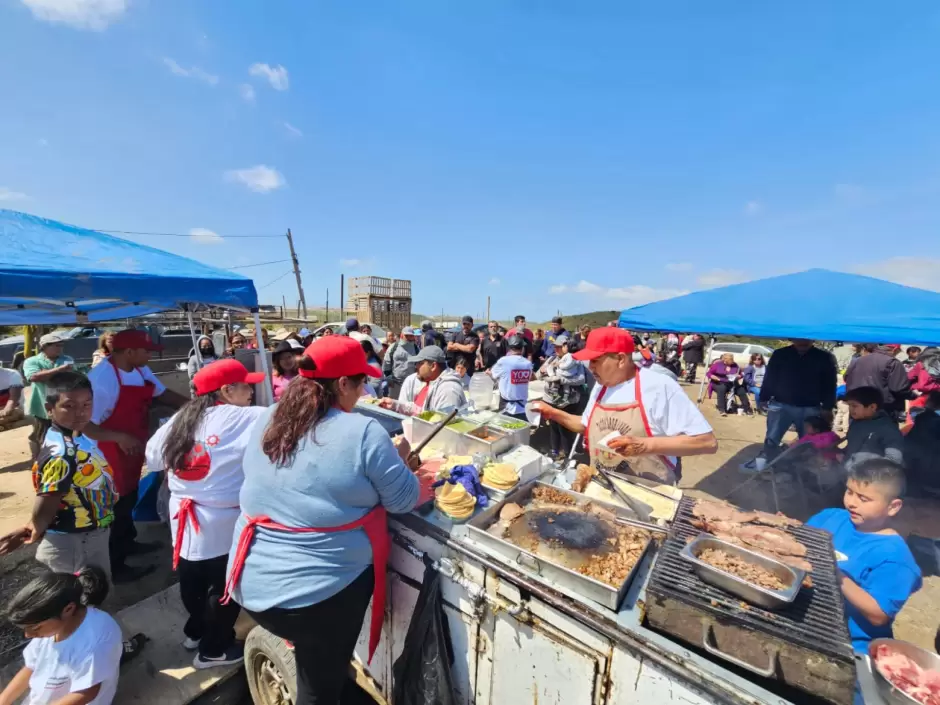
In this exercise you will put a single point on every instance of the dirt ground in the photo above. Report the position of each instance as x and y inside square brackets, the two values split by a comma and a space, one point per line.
[740, 438]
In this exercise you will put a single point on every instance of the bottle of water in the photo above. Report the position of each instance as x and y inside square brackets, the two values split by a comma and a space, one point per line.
[481, 391]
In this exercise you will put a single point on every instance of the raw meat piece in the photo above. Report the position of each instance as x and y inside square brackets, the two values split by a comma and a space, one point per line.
[773, 539]
[777, 519]
[742, 568]
[921, 684]
[720, 511]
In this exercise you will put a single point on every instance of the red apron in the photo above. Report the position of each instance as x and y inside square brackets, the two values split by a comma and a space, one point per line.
[131, 415]
[186, 514]
[374, 523]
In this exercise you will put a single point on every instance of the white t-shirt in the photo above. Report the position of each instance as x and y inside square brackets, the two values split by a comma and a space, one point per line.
[104, 384]
[669, 410]
[9, 378]
[89, 656]
[212, 478]
[513, 373]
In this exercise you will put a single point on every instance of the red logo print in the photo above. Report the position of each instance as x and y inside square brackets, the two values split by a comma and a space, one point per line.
[212, 441]
[196, 464]
[519, 376]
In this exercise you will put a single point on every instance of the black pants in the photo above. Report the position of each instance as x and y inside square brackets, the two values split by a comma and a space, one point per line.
[123, 531]
[37, 436]
[690, 370]
[324, 638]
[560, 438]
[738, 390]
[212, 623]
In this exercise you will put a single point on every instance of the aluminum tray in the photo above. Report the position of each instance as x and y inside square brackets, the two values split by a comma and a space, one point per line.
[474, 444]
[602, 593]
[519, 436]
[749, 592]
[886, 689]
[448, 440]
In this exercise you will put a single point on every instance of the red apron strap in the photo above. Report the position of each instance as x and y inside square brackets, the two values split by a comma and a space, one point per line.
[185, 514]
[646, 421]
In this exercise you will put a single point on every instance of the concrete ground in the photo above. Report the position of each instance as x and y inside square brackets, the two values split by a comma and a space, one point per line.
[716, 475]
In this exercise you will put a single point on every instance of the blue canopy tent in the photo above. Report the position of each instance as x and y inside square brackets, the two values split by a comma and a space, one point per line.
[57, 274]
[817, 304]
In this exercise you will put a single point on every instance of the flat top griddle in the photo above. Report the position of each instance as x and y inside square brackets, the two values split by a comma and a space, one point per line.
[816, 618]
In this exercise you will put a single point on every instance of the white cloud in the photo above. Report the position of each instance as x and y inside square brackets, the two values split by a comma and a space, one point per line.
[275, 75]
[293, 131]
[753, 208]
[911, 271]
[350, 262]
[721, 277]
[8, 195]
[260, 178]
[80, 14]
[494, 281]
[204, 236]
[194, 72]
[42, 142]
[629, 295]
[680, 267]
[247, 92]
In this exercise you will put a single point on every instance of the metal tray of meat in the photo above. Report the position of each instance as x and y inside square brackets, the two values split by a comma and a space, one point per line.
[575, 536]
[747, 591]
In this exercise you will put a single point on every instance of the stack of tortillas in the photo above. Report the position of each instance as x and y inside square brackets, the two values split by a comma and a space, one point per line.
[500, 476]
[455, 501]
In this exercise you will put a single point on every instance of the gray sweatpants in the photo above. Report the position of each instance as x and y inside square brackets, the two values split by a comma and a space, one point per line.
[69, 553]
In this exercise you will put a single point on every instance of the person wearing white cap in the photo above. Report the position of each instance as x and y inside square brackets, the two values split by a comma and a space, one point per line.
[397, 365]
[432, 387]
[37, 370]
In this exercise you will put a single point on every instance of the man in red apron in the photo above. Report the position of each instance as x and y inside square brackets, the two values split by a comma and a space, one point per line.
[637, 421]
[124, 390]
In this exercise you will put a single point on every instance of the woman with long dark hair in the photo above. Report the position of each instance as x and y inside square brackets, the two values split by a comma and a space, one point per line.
[201, 449]
[312, 543]
[74, 653]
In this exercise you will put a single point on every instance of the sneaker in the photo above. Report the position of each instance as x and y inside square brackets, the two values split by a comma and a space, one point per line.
[234, 655]
[190, 644]
[133, 647]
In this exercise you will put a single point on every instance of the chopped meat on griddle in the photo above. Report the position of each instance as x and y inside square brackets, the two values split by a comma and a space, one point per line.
[510, 512]
[614, 566]
[550, 495]
[740, 567]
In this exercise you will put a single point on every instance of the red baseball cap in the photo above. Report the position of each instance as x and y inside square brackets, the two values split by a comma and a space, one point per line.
[134, 340]
[603, 341]
[337, 356]
[216, 375]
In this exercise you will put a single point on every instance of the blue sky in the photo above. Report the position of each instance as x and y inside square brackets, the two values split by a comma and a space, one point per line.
[553, 155]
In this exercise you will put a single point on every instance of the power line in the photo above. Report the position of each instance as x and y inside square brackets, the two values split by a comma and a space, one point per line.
[260, 264]
[137, 232]
[265, 286]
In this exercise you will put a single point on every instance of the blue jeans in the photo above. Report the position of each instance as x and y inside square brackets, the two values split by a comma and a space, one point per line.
[756, 392]
[779, 419]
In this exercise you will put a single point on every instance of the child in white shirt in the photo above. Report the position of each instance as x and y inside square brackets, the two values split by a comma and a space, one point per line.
[76, 649]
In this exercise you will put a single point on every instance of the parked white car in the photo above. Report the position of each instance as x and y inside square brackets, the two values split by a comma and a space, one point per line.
[742, 352]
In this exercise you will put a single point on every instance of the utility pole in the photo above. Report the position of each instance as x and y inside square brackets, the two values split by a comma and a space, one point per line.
[342, 301]
[487, 309]
[327, 306]
[300, 288]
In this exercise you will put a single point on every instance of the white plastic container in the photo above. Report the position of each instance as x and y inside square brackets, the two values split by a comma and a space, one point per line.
[481, 391]
[527, 460]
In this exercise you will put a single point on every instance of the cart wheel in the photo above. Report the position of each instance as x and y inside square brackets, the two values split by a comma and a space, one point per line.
[270, 668]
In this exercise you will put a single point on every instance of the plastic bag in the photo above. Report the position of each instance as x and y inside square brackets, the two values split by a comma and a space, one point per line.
[422, 674]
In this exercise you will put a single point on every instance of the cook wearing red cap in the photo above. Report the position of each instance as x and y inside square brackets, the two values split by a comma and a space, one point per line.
[637, 421]
[201, 449]
[124, 389]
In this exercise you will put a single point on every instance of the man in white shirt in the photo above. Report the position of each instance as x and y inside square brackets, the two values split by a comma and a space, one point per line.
[512, 373]
[124, 389]
[636, 421]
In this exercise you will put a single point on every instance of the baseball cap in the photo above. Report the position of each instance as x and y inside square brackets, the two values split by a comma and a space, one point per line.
[561, 340]
[431, 353]
[517, 342]
[134, 340]
[286, 346]
[216, 375]
[467, 319]
[50, 339]
[352, 324]
[407, 330]
[337, 356]
[557, 319]
[603, 341]
[427, 325]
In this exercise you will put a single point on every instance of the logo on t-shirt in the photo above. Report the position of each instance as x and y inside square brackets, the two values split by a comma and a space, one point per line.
[520, 376]
[841, 557]
[196, 464]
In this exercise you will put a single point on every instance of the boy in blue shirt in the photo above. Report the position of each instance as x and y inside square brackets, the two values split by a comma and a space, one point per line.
[878, 571]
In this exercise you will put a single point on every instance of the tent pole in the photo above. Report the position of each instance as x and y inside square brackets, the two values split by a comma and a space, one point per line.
[192, 332]
[708, 357]
[269, 388]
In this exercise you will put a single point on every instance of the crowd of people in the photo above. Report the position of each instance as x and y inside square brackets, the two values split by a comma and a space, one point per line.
[296, 494]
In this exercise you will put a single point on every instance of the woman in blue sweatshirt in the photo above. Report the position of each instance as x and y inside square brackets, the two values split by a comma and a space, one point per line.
[311, 543]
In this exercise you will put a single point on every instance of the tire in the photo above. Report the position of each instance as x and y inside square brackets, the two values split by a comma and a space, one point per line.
[270, 669]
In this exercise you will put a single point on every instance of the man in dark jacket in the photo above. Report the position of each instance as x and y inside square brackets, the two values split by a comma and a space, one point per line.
[883, 371]
[693, 355]
[800, 382]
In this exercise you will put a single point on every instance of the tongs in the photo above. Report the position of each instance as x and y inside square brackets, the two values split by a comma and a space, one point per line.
[437, 429]
[604, 479]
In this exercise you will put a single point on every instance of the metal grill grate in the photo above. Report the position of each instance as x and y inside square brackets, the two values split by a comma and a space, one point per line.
[815, 620]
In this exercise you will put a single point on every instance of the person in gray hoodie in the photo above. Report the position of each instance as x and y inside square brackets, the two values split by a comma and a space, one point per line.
[206, 350]
[873, 433]
[432, 387]
[396, 364]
